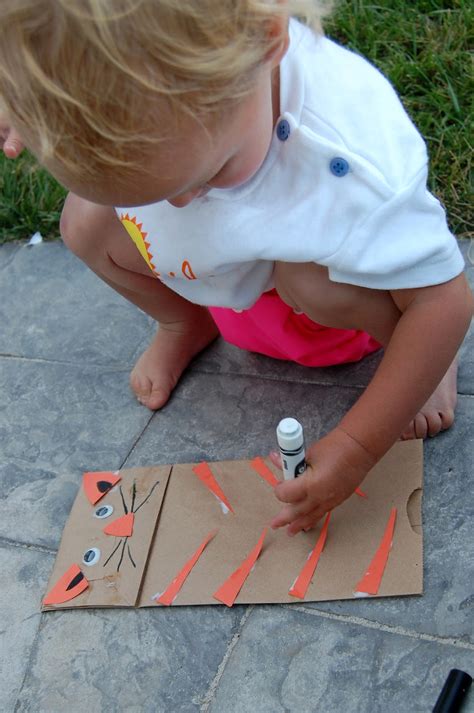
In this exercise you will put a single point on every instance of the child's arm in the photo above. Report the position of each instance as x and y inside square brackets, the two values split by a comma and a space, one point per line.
[423, 345]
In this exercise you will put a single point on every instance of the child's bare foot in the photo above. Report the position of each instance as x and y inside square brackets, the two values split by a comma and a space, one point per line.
[438, 412]
[159, 368]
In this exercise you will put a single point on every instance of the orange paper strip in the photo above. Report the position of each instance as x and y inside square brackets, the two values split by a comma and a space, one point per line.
[228, 591]
[121, 527]
[71, 584]
[96, 485]
[204, 473]
[170, 593]
[360, 492]
[303, 580]
[260, 467]
[370, 582]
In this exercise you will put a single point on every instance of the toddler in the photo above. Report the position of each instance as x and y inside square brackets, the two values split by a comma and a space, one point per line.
[231, 170]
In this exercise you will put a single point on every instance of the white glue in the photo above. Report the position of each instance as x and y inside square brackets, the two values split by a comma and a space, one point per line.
[291, 444]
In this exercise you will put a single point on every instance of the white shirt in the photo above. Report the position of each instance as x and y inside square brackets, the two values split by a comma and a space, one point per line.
[345, 188]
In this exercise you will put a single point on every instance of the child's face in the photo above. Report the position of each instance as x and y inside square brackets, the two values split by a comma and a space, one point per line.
[189, 163]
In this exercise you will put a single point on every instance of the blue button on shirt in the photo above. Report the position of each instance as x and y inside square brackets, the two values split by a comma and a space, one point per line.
[339, 167]
[283, 130]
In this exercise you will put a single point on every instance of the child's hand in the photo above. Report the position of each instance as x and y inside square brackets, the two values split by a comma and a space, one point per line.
[10, 141]
[337, 465]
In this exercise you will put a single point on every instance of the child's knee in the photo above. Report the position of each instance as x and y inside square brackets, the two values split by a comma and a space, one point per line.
[96, 236]
[80, 224]
[302, 284]
[70, 224]
[307, 287]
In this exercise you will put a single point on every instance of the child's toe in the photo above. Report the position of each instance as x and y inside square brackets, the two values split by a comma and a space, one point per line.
[150, 395]
[409, 433]
[141, 386]
[421, 425]
[447, 418]
[157, 398]
[434, 423]
[438, 413]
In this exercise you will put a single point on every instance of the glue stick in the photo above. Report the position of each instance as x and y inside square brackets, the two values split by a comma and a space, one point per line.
[291, 444]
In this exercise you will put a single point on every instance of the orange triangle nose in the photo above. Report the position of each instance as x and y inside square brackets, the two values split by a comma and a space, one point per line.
[121, 527]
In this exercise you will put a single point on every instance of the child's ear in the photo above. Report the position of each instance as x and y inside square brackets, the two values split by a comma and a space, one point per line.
[279, 38]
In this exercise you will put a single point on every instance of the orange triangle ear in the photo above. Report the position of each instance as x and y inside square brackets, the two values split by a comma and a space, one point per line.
[71, 584]
[121, 527]
[96, 485]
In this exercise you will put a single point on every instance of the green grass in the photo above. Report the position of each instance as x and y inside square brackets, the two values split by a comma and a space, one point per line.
[30, 199]
[421, 46]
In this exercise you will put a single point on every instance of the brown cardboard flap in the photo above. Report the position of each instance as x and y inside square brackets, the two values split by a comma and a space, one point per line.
[115, 582]
[355, 530]
[189, 511]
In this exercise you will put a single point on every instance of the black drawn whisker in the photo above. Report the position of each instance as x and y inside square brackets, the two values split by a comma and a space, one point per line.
[122, 553]
[123, 500]
[130, 555]
[148, 496]
[134, 493]
[113, 552]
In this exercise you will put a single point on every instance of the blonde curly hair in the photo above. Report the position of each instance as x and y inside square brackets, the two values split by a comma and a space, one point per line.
[78, 78]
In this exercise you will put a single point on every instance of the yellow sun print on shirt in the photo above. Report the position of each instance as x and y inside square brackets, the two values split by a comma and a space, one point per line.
[134, 229]
[138, 236]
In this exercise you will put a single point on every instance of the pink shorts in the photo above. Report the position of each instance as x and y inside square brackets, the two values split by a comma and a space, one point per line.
[272, 328]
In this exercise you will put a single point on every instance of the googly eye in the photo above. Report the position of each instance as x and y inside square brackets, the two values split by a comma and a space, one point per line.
[103, 511]
[91, 556]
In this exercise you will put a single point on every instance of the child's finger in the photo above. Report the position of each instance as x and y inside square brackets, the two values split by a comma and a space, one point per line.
[307, 522]
[12, 148]
[275, 459]
[291, 491]
[286, 515]
[13, 144]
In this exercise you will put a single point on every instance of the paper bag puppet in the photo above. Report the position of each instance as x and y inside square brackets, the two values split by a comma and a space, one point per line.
[199, 534]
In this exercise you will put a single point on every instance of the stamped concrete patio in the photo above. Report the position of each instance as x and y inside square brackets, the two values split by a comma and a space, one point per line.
[67, 344]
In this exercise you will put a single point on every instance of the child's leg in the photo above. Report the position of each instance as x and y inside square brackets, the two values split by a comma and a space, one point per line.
[95, 235]
[307, 287]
